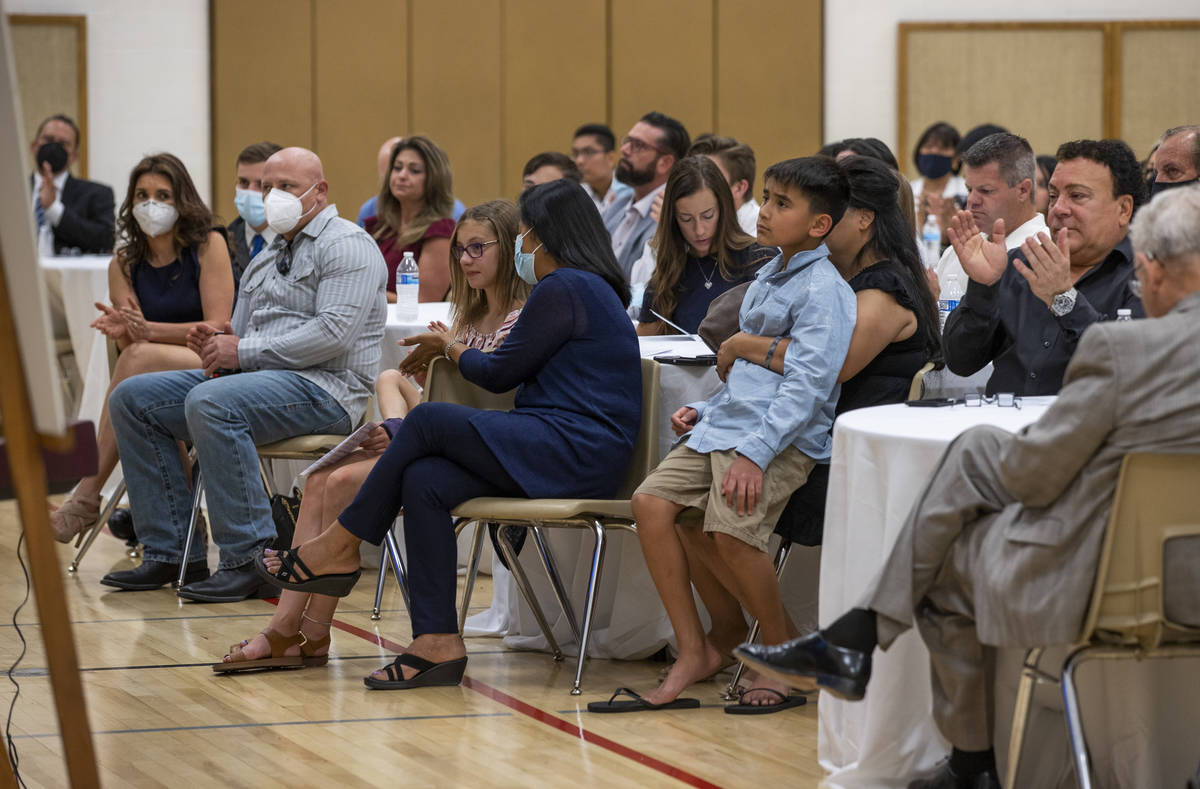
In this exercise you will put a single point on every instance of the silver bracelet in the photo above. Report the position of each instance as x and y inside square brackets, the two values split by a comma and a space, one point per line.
[446, 350]
[771, 352]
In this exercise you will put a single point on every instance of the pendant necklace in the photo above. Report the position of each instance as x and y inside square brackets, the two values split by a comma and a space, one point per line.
[707, 277]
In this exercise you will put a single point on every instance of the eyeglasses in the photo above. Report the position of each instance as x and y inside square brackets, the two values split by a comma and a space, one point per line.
[473, 251]
[1000, 399]
[584, 153]
[1135, 284]
[641, 146]
[283, 264]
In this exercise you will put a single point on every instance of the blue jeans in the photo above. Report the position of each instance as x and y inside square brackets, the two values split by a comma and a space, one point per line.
[225, 419]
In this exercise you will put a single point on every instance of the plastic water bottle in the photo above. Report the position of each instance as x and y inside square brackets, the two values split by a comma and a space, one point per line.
[951, 294]
[931, 241]
[1124, 315]
[408, 284]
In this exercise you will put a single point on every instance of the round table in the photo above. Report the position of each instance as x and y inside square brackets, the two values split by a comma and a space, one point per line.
[75, 284]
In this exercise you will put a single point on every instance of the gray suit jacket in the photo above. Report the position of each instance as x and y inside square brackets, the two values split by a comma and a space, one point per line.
[1130, 387]
[613, 215]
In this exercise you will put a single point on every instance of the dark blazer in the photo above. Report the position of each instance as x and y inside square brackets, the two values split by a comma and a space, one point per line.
[89, 217]
[241, 251]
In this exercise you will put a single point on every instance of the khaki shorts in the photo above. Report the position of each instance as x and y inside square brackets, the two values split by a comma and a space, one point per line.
[693, 480]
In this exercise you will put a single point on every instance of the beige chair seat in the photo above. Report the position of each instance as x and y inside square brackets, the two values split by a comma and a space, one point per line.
[537, 510]
[300, 447]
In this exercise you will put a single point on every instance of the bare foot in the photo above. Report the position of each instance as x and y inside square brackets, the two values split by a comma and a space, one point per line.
[688, 669]
[434, 647]
[321, 555]
[762, 698]
[723, 644]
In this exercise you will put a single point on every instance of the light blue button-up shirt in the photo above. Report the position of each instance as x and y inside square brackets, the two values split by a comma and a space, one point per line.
[759, 412]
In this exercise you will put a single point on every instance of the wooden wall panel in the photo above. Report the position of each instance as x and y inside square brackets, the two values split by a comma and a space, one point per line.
[262, 83]
[360, 93]
[951, 74]
[769, 95]
[554, 78]
[456, 89]
[1155, 93]
[50, 54]
[661, 59]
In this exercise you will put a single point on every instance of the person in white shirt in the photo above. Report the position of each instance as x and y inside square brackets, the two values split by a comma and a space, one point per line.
[939, 188]
[594, 151]
[1000, 172]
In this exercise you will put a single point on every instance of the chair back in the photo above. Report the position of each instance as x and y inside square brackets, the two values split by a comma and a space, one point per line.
[1157, 499]
[645, 447]
[444, 383]
[916, 389]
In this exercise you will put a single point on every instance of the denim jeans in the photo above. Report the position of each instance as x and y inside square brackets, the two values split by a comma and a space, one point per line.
[224, 418]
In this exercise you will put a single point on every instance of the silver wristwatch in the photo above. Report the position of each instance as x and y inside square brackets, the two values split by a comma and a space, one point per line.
[1063, 303]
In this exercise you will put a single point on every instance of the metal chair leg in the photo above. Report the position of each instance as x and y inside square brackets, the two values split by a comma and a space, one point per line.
[197, 493]
[118, 494]
[1083, 768]
[383, 565]
[590, 604]
[564, 601]
[781, 557]
[1029, 679]
[526, 590]
[472, 568]
[392, 549]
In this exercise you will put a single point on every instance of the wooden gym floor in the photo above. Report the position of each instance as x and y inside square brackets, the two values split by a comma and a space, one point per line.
[160, 718]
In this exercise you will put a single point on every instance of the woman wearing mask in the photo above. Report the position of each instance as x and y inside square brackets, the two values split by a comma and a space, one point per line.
[170, 272]
[574, 355]
[939, 186]
[701, 250]
[414, 215]
[487, 296]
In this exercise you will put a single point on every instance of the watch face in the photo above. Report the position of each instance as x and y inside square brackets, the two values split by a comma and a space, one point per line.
[1063, 302]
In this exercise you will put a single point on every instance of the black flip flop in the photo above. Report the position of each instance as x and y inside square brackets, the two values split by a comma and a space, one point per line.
[638, 704]
[785, 703]
[429, 674]
[331, 584]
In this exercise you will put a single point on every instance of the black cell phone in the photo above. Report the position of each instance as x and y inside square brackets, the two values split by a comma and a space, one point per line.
[932, 402]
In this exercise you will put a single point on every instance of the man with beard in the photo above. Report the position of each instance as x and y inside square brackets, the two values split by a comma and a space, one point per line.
[648, 153]
[1025, 310]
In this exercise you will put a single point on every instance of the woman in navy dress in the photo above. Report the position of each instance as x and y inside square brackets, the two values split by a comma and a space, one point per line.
[573, 357]
[171, 271]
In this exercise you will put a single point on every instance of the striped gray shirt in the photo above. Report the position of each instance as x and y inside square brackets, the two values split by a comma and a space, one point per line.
[323, 319]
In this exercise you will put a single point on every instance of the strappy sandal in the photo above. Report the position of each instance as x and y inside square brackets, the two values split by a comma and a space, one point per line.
[310, 645]
[73, 517]
[429, 674]
[279, 644]
[330, 584]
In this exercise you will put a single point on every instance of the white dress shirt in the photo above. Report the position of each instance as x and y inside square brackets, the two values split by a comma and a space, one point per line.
[747, 217]
[949, 263]
[603, 202]
[638, 210]
[268, 235]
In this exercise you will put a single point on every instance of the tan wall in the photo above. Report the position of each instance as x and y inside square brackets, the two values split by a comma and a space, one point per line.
[497, 81]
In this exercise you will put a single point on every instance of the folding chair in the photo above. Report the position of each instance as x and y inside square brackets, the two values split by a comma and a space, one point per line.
[1156, 501]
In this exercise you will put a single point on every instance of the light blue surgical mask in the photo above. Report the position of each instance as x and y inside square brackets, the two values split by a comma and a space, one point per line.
[249, 205]
[524, 261]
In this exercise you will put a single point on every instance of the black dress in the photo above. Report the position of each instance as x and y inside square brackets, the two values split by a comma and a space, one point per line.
[885, 380]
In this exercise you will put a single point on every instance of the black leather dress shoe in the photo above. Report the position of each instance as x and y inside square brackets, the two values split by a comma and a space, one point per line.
[946, 778]
[228, 586]
[152, 575]
[843, 672]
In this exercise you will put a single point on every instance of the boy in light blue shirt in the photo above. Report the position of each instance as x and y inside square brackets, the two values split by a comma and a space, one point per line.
[748, 447]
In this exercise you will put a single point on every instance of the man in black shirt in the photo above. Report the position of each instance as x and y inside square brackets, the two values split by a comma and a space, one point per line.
[1026, 310]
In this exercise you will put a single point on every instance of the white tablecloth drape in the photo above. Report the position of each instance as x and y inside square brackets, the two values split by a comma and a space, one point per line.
[882, 459]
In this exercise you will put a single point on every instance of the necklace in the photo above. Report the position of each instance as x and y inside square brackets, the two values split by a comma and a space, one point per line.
[707, 277]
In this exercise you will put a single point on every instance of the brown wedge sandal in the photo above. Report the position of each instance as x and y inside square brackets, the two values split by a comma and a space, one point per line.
[279, 644]
[310, 646]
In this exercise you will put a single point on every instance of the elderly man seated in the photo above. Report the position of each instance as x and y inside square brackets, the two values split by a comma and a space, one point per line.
[1001, 548]
[305, 339]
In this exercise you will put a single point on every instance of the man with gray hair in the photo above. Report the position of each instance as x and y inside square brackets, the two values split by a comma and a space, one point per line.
[1002, 547]
[1000, 172]
[1177, 159]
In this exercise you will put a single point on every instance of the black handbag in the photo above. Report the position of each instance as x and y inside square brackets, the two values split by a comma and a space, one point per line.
[284, 511]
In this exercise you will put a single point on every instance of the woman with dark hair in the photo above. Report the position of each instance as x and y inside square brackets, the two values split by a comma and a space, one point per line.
[701, 250]
[413, 214]
[867, 146]
[936, 158]
[573, 358]
[1045, 169]
[171, 271]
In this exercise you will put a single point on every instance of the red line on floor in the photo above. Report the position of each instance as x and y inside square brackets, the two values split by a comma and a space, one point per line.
[542, 716]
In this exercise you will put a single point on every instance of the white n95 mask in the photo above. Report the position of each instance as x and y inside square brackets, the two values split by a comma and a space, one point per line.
[155, 218]
[284, 210]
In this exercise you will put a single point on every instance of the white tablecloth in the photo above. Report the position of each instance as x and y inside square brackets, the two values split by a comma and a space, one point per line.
[882, 458]
[79, 282]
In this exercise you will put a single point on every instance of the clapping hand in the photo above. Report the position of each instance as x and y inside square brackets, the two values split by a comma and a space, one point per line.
[426, 347]
[984, 259]
[48, 192]
[138, 331]
[219, 349]
[1047, 266]
[656, 206]
[112, 323]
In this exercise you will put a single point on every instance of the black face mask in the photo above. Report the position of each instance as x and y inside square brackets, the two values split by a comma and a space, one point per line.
[54, 154]
[933, 166]
[1158, 186]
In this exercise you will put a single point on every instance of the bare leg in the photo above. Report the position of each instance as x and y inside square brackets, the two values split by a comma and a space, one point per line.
[728, 623]
[668, 566]
[395, 394]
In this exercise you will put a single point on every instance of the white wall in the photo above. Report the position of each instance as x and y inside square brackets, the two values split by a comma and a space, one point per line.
[147, 72]
[860, 47]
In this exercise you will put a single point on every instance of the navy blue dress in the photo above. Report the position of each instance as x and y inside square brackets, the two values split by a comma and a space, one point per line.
[170, 293]
[574, 354]
[693, 298]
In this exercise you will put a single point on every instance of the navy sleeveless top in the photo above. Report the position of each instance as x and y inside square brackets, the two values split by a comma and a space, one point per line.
[170, 293]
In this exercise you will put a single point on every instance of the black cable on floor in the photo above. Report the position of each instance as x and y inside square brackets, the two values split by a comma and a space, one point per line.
[13, 757]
